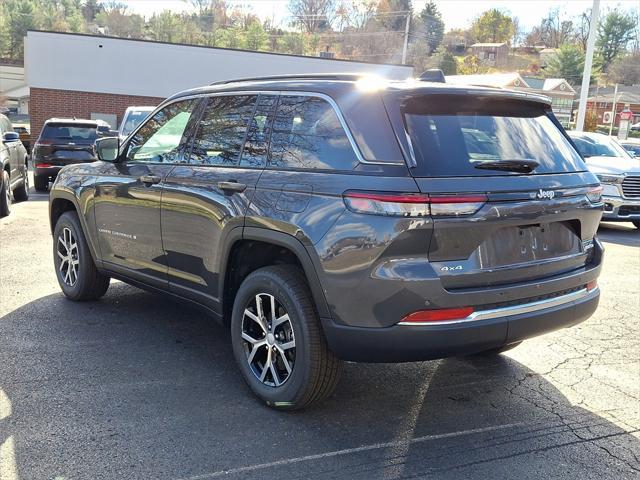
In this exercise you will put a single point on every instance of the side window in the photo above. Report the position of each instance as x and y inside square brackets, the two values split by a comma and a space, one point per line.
[254, 153]
[222, 130]
[161, 138]
[307, 134]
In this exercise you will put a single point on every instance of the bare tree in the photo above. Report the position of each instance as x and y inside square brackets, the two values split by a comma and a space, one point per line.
[581, 31]
[313, 15]
[556, 31]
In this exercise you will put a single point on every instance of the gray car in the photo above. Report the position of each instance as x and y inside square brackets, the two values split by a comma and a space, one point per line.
[14, 180]
[617, 170]
[329, 218]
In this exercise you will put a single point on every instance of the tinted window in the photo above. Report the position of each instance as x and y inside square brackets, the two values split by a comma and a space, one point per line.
[450, 135]
[222, 130]
[161, 138]
[76, 133]
[308, 134]
[254, 153]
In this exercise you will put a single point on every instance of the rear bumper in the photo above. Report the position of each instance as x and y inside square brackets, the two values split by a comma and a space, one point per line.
[619, 209]
[51, 172]
[405, 343]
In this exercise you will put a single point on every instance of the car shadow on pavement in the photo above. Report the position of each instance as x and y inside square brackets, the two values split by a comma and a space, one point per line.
[139, 386]
[621, 234]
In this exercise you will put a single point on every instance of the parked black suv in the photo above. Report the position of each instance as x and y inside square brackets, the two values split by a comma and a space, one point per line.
[62, 141]
[339, 217]
[14, 178]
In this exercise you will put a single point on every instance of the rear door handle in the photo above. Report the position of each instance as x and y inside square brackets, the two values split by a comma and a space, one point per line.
[232, 186]
[150, 179]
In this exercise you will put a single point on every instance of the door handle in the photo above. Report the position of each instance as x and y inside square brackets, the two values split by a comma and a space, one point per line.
[232, 186]
[150, 179]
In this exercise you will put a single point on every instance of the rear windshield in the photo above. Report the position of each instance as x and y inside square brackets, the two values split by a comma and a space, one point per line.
[451, 135]
[73, 133]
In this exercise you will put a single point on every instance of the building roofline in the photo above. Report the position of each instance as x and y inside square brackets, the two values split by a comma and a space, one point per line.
[109, 37]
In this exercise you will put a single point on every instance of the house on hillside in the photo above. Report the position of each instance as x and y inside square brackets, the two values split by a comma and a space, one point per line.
[547, 54]
[492, 54]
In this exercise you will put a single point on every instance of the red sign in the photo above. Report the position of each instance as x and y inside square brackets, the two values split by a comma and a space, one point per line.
[626, 115]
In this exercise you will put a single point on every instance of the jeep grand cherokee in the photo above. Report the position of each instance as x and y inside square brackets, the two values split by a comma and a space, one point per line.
[328, 218]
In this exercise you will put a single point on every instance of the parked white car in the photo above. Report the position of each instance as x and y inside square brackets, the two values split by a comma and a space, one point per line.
[618, 172]
[133, 116]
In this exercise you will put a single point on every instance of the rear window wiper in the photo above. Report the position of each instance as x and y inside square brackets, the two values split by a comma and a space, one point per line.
[517, 165]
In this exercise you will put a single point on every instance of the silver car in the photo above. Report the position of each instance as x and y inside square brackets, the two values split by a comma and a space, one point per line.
[618, 171]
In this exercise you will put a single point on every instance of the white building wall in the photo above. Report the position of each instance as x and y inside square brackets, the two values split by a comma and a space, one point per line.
[121, 66]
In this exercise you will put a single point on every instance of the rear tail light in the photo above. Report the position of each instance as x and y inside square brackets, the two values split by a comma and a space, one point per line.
[445, 314]
[42, 165]
[594, 194]
[592, 285]
[412, 204]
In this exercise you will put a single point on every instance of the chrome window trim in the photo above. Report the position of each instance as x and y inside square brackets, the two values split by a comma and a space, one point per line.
[512, 310]
[277, 93]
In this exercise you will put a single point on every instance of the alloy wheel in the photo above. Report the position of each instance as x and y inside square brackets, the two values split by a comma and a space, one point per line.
[268, 340]
[67, 250]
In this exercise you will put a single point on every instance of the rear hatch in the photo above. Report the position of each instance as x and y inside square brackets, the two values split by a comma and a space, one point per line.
[64, 143]
[512, 201]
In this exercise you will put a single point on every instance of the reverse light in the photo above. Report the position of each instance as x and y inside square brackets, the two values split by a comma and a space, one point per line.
[454, 205]
[425, 316]
[412, 204]
[594, 194]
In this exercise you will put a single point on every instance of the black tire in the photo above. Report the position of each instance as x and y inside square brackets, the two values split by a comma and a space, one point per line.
[89, 283]
[499, 350]
[21, 194]
[315, 371]
[40, 183]
[5, 194]
[636, 223]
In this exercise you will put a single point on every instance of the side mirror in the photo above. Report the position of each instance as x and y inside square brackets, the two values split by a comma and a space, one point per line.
[9, 137]
[108, 148]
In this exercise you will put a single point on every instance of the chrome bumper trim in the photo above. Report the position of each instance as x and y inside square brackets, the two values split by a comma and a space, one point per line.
[513, 310]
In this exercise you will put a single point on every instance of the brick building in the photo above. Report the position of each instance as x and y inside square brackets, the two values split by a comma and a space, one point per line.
[601, 100]
[94, 76]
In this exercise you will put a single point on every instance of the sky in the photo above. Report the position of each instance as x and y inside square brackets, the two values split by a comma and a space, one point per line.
[455, 13]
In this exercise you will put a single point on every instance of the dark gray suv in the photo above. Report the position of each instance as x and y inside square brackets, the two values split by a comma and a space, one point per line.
[328, 218]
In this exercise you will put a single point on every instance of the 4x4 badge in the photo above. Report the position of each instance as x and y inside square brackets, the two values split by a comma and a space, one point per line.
[542, 194]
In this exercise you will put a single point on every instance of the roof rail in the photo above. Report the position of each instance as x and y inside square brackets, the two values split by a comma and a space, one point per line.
[304, 76]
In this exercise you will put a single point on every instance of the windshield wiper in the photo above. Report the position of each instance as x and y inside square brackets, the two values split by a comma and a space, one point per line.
[519, 166]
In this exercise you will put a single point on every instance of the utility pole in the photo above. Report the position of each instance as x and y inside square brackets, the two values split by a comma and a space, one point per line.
[613, 113]
[588, 61]
[406, 38]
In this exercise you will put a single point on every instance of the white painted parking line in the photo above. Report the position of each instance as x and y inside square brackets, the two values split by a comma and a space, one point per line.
[349, 451]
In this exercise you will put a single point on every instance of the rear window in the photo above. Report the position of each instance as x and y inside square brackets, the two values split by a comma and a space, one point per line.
[72, 133]
[452, 134]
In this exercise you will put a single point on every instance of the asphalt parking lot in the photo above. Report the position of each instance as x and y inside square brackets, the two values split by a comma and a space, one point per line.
[137, 386]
